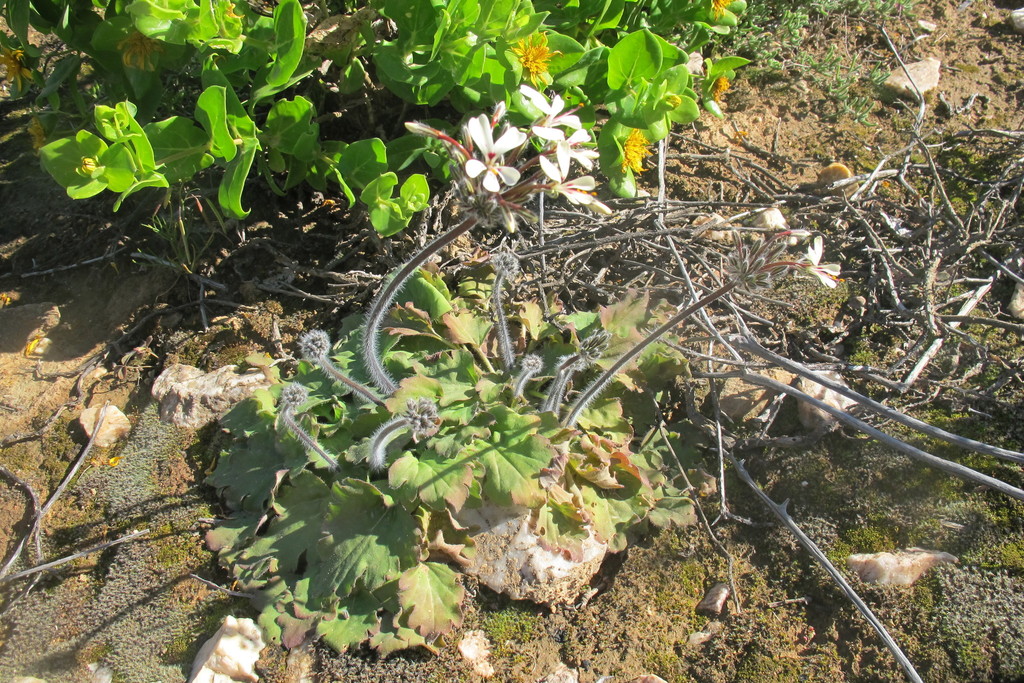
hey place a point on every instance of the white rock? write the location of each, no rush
(1016, 306)
(1017, 19)
(927, 26)
(562, 674)
(476, 650)
(191, 398)
(510, 558)
(811, 417)
(115, 425)
(901, 568)
(772, 219)
(230, 655)
(925, 75)
(99, 673)
(714, 599)
(27, 679)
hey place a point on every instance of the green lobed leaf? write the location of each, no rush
(369, 541)
(431, 599)
(357, 620)
(295, 527)
(513, 458)
(432, 479)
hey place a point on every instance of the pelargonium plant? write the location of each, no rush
(348, 487)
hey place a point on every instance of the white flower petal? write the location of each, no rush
(510, 139)
(550, 169)
(479, 128)
(474, 167)
(509, 175)
(490, 181)
(548, 133)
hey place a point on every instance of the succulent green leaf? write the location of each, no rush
(290, 128)
(211, 112)
(289, 41)
(66, 160)
(431, 599)
(363, 161)
(635, 57)
(369, 541)
(179, 146)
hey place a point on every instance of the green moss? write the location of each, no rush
(1011, 556)
(764, 668)
(510, 625)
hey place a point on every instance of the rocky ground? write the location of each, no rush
(92, 312)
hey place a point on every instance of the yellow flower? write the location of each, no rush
(88, 165)
(113, 462)
(720, 86)
(718, 7)
(534, 55)
(17, 72)
(138, 50)
(35, 129)
(634, 151)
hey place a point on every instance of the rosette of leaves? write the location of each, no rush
(354, 554)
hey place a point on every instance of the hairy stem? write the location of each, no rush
(325, 364)
(501, 323)
(560, 383)
(384, 435)
(386, 296)
(530, 366)
(306, 438)
(599, 384)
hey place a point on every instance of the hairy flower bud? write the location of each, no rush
(293, 396)
(314, 344)
(505, 264)
(423, 418)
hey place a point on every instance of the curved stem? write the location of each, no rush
(325, 364)
(501, 324)
(384, 435)
(598, 385)
(386, 296)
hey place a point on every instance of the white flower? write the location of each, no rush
(580, 192)
(566, 150)
(490, 166)
(552, 110)
(827, 273)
